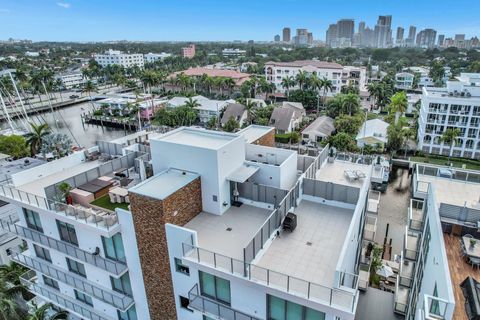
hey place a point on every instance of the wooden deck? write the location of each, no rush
(459, 270)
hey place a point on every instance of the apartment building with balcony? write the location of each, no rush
(115, 57)
(340, 75)
(455, 106)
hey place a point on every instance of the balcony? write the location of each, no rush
(401, 299)
(370, 227)
(113, 267)
(411, 245)
(406, 273)
(335, 297)
(95, 218)
(211, 307)
(435, 308)
(106, 295)
(29, 279)
(416, 215)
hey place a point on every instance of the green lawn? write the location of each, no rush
(458, 163)
(104, 202)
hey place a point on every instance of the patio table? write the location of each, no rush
(472, 251)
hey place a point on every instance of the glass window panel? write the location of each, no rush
(118, 244)
(223, 289)
(207, 284)
(276, 308)
(294, 311)
(311, 314)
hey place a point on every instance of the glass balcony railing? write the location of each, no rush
(211, 307)
(29, 279)
(111, 266)
(109, 296)
(416, 215)
(98, 218)
(331, 296)
(435, 308)
(411, 245)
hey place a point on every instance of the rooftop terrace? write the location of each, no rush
(197, 138)
(312, 250)
(253, 133)
(229, 233)
(335, 172)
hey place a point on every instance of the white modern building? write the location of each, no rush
(71, 79)
(115, 57)
(424, 79)
(207, 108)
(373, 133)
(340, 76)
(455, 106)
(404, 80)
(230, 52)
(152, 57)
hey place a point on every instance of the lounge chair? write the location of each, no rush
(351, 175)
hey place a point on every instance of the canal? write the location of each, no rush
(69, 122)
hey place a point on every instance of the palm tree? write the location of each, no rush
(88, 88)
(301, 79)
(408, 134)
(350, 103)
(265, 87)
(8, 294)
(287, 83)
(250, 107)
(11, 272)
(450, 136)
(398, 104)
(36, 137)
(41, 313)
(149, 79)
(327, 85)
(375, 90)
(229, 84)
(191, 103)
(219, 83)
(316, 84)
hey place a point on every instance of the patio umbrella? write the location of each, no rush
(385, 271)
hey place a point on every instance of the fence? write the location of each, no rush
(110, 148)
(261, 193)
(272, 223)
(331, 191)
(124, 162)
(303, 162)
(457, 174)
(317, 163)
(459, 214)
(335, 297)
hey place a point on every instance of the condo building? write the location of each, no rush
(115, 57)
(189, 51)
(455, 106)
(201, 224)
(340, 75)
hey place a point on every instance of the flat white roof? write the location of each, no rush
(164, 184)
(253, 132)
(335, 172)
(230, 232)
(200, 138)
(312, 250)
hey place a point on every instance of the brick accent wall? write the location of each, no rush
(149, 217)
(267, 140)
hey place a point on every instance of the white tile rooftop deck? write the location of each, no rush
(198, 138)
(335, 172)
(325, 227)
(212, 232)
(454, 192)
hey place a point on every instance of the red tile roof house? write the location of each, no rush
(238, 77)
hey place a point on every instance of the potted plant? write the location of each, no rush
(65, 189)
(331, 155)
(473, 242)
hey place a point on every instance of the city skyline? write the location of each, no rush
(109, 20)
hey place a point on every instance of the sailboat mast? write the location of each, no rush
(4, 107)
(19, 98)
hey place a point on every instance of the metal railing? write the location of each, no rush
(435, 308)
(416, 215)
(98, 218)
(334, 297)
(211, 307)
(111, 266)
(411, 245)
(401, 306)
(119, 301)
(370, 227)
(29, 279)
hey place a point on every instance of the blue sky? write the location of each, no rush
(196, 20)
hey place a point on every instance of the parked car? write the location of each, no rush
(74, 96)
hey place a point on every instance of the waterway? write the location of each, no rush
(69, 122)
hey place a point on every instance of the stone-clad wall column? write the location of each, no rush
(149, 217)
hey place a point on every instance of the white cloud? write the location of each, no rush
(65, 5)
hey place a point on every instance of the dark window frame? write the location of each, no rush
(42, 253)
(184, 303)
(79, 271)
(123, 290)
(104, 243)
(67, 232)
(37, 225)
(202, 292)
(51, 282)
(181, 268)
(85, 298)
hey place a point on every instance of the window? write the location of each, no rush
(279, 309)
(83, 297)
(76, 267)
(33, 220)
(207, 318)
(122, 284)
(113, 248)
(435, 307)
(51, 283)
(180, 267)
(67, 232)
(215, 287)
(42, 253)
(184, 303)
(130, 314)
